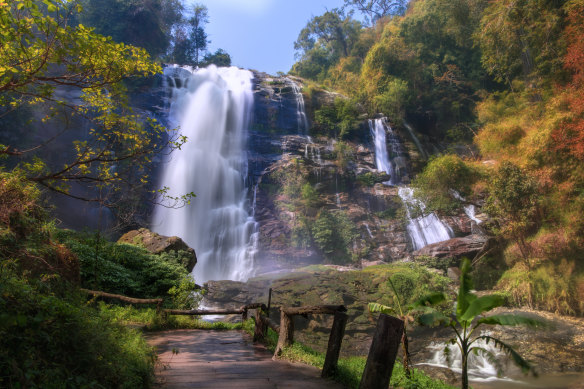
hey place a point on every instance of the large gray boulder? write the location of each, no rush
(157, 244)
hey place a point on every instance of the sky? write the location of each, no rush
(260, 34)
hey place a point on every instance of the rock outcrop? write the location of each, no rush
(467, 246)
(157, 244)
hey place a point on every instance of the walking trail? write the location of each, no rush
(226, 359)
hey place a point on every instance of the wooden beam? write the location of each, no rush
(203, 312)
(130, 300)
(273, 325)
(314, 310)
(382, 353)
(334, 345)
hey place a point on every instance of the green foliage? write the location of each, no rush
(513, 199)
(52, 341)
(146, 24)
(443, 178)
(333, 232)
(344, 155)
(468, 317)
(218, 58)
(338, 120)
(128, 270)
(44, 54)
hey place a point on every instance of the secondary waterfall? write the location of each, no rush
(212, 108)
(423, 230)
(480, 368)
(300, 107)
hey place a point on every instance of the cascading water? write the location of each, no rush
(480, 368)
(300, 108)
(423, 230)
(212, 108)
(382, 162)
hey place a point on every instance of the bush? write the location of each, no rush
(125, 269)
(47, 341)
(442, 176)
(333, 233)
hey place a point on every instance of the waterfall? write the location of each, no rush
(480, 368)
(212, 108)
(423, 152)
(300, 107)
(382, 162)
(423, 230)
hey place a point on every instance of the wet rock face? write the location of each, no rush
(157, 244)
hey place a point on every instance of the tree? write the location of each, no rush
(73, 79)
(328, 37)
(145, 23)
(377, 9)
(218, 58)
(521, 38)
(191, 39)
(513, 199)
(468, 317)
(444, 182)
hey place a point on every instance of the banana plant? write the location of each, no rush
(405, 314)
(468, 317)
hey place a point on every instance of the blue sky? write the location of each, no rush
(260, 34)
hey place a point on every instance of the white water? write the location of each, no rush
(300, 107)
(212, 107)
(382, 162)
(423, 230)
(469, 210)
(479, 367)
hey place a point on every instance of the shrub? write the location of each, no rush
(48, 341)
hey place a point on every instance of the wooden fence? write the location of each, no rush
(382, 352)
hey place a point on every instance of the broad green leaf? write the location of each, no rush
(375, 307)
(433, 319)
(480, 305)
(465, 297)
(429, 300)
(513, 320)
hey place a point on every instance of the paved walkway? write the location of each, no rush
(226, 359)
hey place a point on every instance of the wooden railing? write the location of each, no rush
(382, 353)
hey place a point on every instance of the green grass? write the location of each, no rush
(349, 370)
(150, 320)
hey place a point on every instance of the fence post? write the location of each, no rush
(269, 301)
(382, 353)
(261, 326)
(286, 336)
(334, 344)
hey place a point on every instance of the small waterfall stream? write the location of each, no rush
(300, 107)
(480, 368)
(212, 107)
(423, 230)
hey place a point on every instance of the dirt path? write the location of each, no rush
(226, 359)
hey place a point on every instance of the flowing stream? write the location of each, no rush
(423, 230)
(212, 108)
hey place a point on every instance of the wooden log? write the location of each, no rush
(334, 344)
(261, 326)
(203, 312)
(382, 353)
(126, 299)
(286, 336)
(315, 310)
(273, 325)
